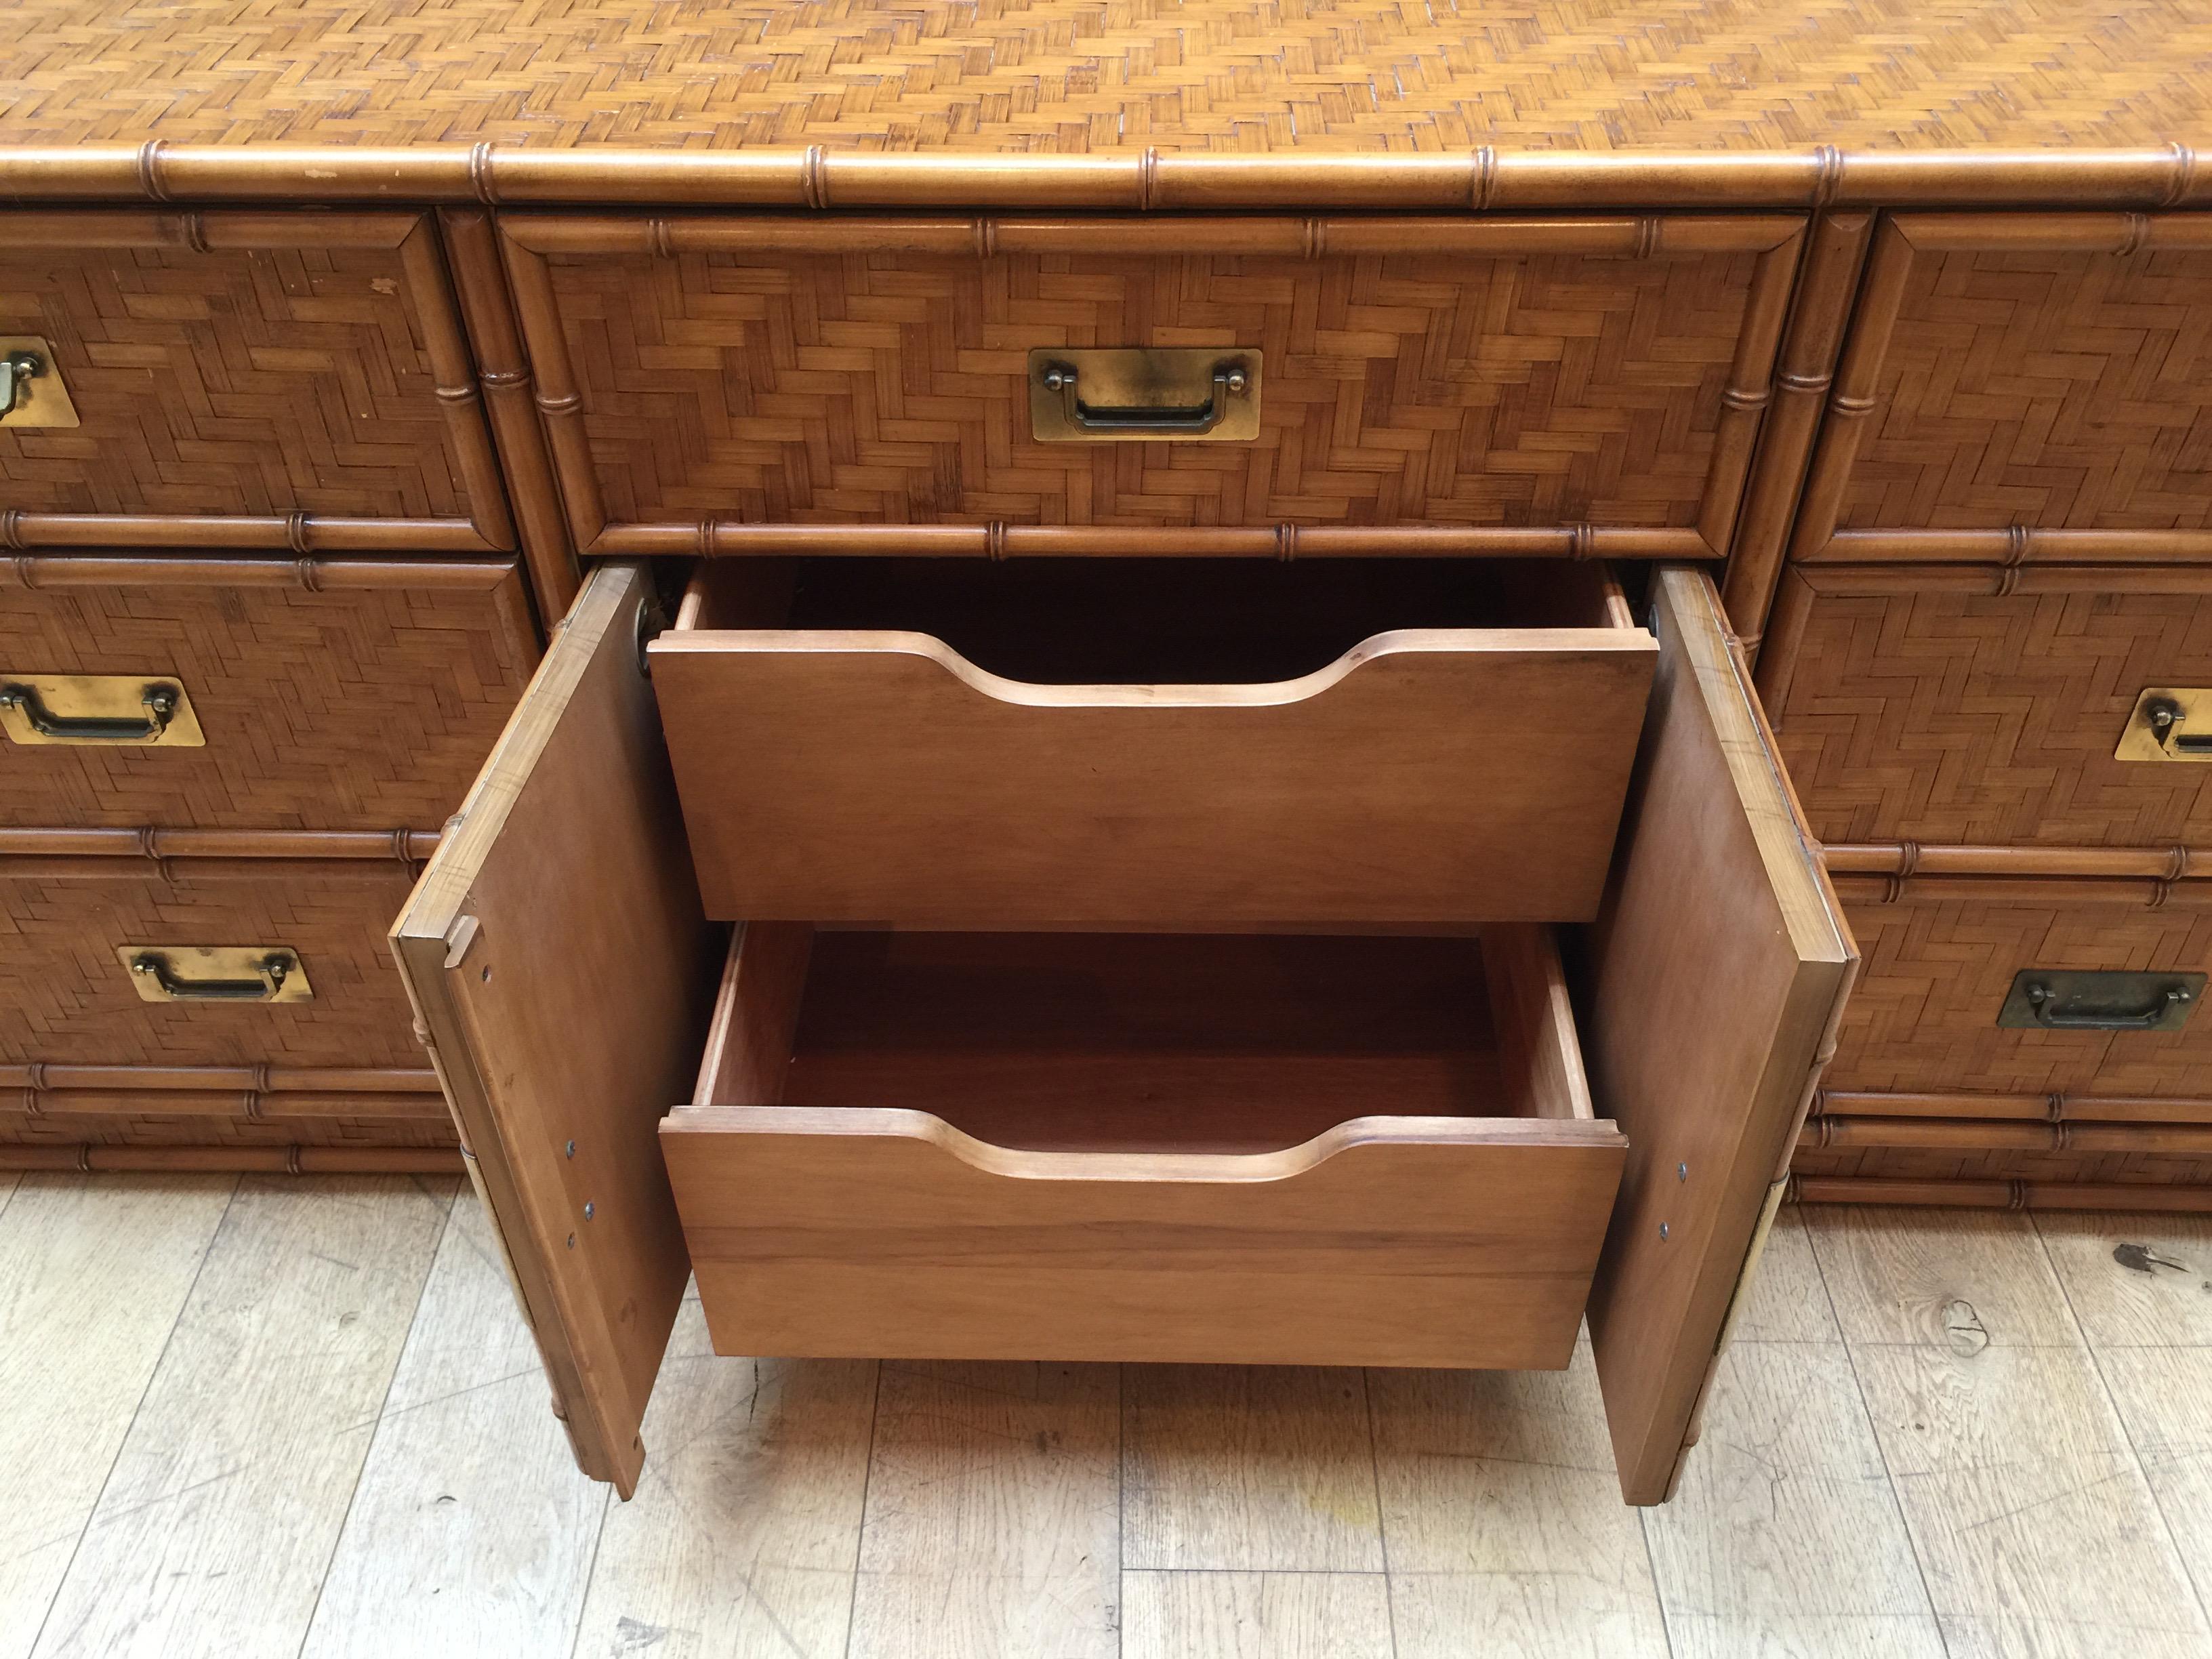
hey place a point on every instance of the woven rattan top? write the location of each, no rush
(1094, 74)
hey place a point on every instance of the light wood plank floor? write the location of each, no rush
(258, 1416)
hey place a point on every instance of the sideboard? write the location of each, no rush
(1149, 525)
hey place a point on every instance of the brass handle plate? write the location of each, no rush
(31, 389)
(1145, 394)
(215, 973)
(2169, 723)
(2054, 999)
(142, 711)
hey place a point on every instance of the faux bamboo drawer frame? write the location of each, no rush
(558, 955)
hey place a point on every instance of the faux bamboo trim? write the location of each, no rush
(2152, 893)
(2126, 1110)
(729, 538)
(1483, 179)
(1803, 374)
(314, 573)
(503, 373)
(2009, 548)
(1641, 236)
(246, 1106)
(296, 532)
(1906, 857)
(265, 1080)
(94, 1158)
(2001, 1135)
(410, 847)
(2002, 1194)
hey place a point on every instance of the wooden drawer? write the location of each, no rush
(1508, 377)
(72, 901)
(1316, 1146)
(2022, 374)
(233, 366)
(1942, 953)
(1149, 743)
(1115, 1146)
(1918, 704)
(320, 694)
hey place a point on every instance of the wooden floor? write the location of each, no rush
(274, 1416)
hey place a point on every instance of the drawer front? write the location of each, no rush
(1389, 1241)
(67, 999)
(334, 693)
(1921, 714)
(1467, 373)
(1429, 777)
(2042, 371)
(1941, 960)
(243, 365)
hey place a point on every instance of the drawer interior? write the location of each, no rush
(1153, 1043)
(1339, 1150)
(1151, 621)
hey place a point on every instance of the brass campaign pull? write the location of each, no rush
(98, 708)
(2051, 1000)
(31, 389)
(217, 973)
(2168, 723)
(17, 370)
(1121, 394)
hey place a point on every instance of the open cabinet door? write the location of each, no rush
(556, 953)
(1716, 973)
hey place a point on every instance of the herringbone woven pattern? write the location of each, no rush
(65, 999)
(2062, 390)
(1088, 74)
(1936, 972)
(230, 382)
(1536, 391)
(357, 709)
(1949, 717)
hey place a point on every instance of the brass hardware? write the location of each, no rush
(2047, 1000)
(31, 389)
(2169, 723)
(140, 710)
(215, 973)
(1143, 394)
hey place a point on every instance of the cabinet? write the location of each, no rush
(1258, 1137)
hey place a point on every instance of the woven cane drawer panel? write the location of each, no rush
(2056, 387)
(236, 364)
(366, 699)
(1950, 717)
(1938, 966)
(1543, 389)
(65, 999)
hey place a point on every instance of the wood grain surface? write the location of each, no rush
(573, 1025)
(1425, 776)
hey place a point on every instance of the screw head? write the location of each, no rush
(590, 1210)
(570, 1149)
(1681, 1172)
(1662, 1230)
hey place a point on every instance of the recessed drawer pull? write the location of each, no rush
(1093, 396)
(2099, 1002)
(31, 389)
(216, 974)
(126, 709)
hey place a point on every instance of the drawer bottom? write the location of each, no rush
(1313, 1150)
